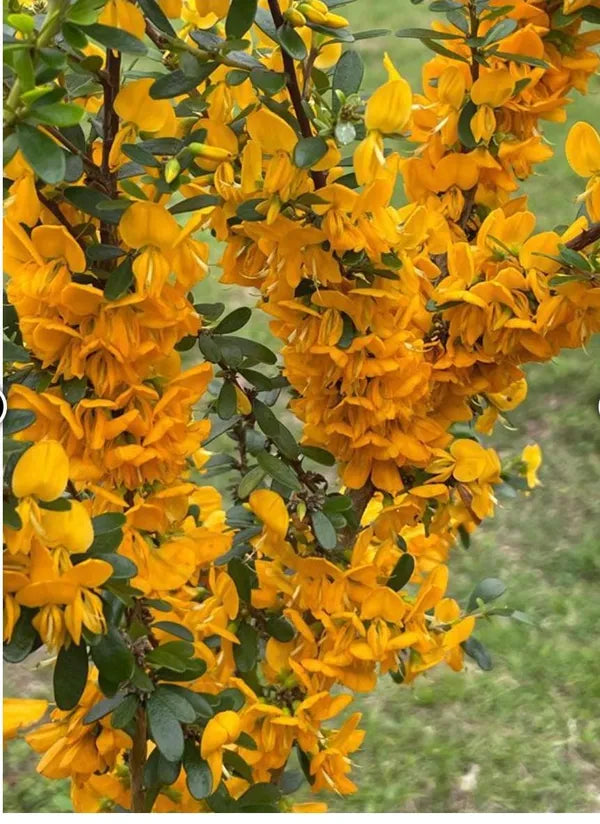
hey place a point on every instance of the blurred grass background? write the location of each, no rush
(526, 736)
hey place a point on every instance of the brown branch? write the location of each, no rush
(137, 762)
(589, 235)
(53, 207)
(293, 88)
(93, 170)
(360, 499)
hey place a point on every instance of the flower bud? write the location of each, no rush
(172, 169)
(294, 17)
(209, 152)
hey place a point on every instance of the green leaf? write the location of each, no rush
(259, 794)
(21, 22)
(116, 39)
(60, 114)
(174, 629)
(112, 657)
(291, 42)
(280, 628)
(124, 713)
(318, 455)
(88, 200)
(74, 389)
(427, 34)
(23, 639)
(118, 282)
(267, 81)
(249, 482)
(108, 522)
(240, 17)
(248, 211)
(13, 353)
(475, 650)
(156, 15)
(278, 470)
(245, 653)
(209, 311)
(308, 151)
(103, 708)
(290, 781)
(201, 706)
(169, 656)
(465, 135)
(276, 431)
(324, 530)
(12, 519)
(487, 590)
(347, 76)
(58, 505)
(500, 30)
(198, 774)
(439, 49)
(164, 727)
(226, 401)
(402, 572)
(16, 420)
(249, 348)
(233, 321)
(85, 12)
(243, 577)
(178, 82)
(177, 704)
(193, 204)
(44, 156)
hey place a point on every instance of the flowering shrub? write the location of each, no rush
(202, 635)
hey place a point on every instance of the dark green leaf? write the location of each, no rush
(233, 321)
(250, 481)
(13, 353)
(240, 17)
(347, 76)
(193, 204)
(245, 653)
(74, 390)
(178, 82)
(402, 572)
(427, 34)
(318, 455)
(487, 590)
(465, 135)
(16, 420)
(177, 704)
(500, 30)
(280, 628)
(291, 42)
(88, 200)
(44, 156)
(24, 638)
(112, 657)
(164, 727)
(174, 629)
(103, 708)
(243, 577)
(116, 39)
(198, 774)
(478, 653)
(226, 402)
(103, 251)
(124, 713)
(308, 151)
(323, 530)
(278, 470)
(108, 522)
(267, 81)
(155, 14)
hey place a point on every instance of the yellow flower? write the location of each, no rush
(583, 149)
(532, 457)
(20, 712)
(224, 728)
(270, 508)
(389, 107)
(42, 472)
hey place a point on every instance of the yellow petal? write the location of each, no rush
(493, 88)
(20, 712)
(71, 528)
(270, 131)
(270, 508)
(133, 104)
(42, 471)
(148, 224)
(583, 149)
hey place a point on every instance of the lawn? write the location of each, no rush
(526, 736)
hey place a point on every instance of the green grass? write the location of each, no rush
(526, 736)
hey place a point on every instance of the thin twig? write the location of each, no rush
(293, 88)
(589, 235)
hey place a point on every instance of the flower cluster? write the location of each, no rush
(230, 627)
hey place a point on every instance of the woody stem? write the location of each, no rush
(589, 235)
(137, 762)
(294, 92)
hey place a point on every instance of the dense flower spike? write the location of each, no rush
(230, 627)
